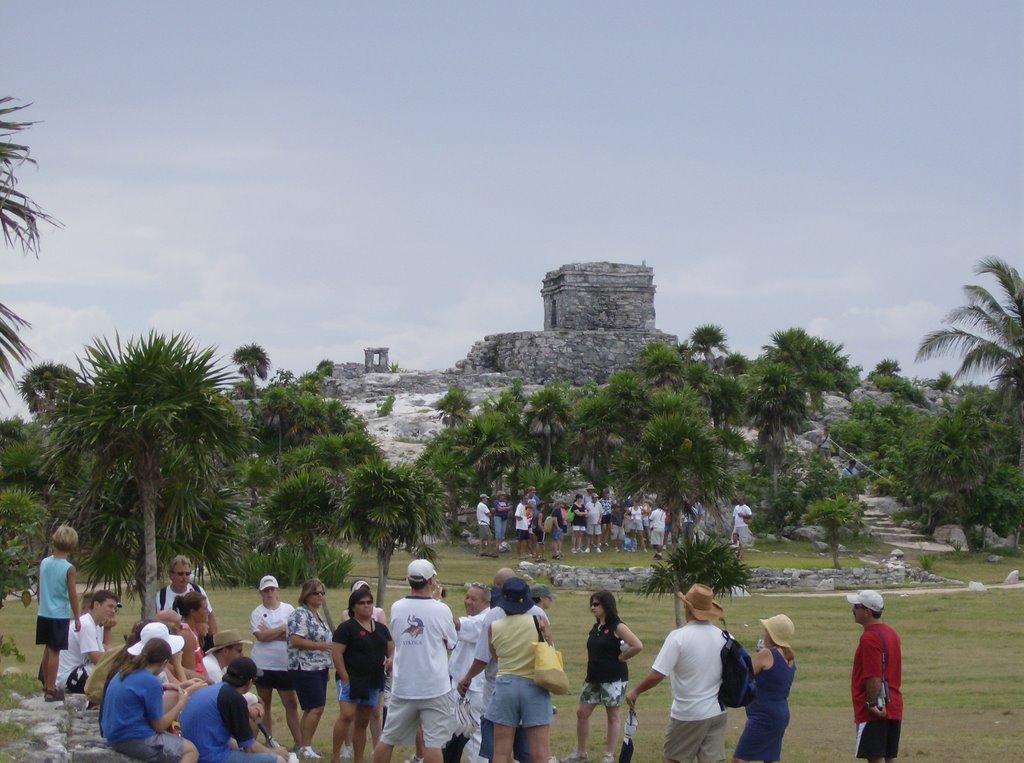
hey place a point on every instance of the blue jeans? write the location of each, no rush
(237, 756)
(499, 528)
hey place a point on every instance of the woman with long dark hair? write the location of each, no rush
(610, 645)
(136, 714)
(362, 653)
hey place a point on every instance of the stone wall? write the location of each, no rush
(599, 295)
(576, 357)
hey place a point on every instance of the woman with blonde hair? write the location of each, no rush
(309, 660)
(768, 714)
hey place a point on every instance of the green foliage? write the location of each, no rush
(547, 414)
(943, 382)
(832, 515)
(21, 522)
(303, 509)
(149, 420)
(384, 408)
(887, 367)
(660, 366)
(252, 361)
(454, 407)
(777, 407)
(706, 561)
(43, 384)
(288, 564)
(927, 562)
(547, 480)
(998, 502)
(818, 364)
(325, 368)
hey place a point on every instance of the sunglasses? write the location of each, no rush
(318, 593)
(595, 604)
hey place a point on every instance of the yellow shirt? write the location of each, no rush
(513, 638)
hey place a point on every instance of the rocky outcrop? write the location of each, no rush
(58, 732)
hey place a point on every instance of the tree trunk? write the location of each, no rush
(679, 610)
(383, 566)
(833, 539)
(147, 477)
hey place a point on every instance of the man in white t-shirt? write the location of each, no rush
(483, 526)
(741, 516)
(657, 530)
(180, 572)
(471, 629)
(691, 658)
(86, 646)
(593, 506)
(424, 631)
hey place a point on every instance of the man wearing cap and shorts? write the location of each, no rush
(423, 629)
(691, 657)
(483, 526)
(877, 706)
(219, 713)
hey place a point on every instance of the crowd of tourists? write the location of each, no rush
(592, 523)
(458, 687)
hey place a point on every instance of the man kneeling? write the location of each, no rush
(218, 715)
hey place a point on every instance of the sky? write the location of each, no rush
(320, 177)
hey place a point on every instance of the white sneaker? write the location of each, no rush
(597, 549)
(309, 753)
(576, 757)
(586, 550)
(414, 759)
(607, 758)
(346, 752)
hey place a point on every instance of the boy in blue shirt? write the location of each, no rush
(58, 603)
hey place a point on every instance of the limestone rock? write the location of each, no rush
(826, 585)
(820, 547)
(896, 553)
(1013, 578)
(951, 534)
(974, 585)
(810, 532)
(993, 558)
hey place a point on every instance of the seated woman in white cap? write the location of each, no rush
(133, 718)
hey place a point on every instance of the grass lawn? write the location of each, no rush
(962, 674)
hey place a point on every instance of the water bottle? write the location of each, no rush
(760, 645)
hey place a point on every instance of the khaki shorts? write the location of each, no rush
(437, 716)
(704, 739)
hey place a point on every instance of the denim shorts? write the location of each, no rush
(517, 700)
(344, 697)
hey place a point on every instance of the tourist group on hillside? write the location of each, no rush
(457, 687)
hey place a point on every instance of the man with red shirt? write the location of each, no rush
(877, 706)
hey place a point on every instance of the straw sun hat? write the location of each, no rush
(780, 628)
(701, 601)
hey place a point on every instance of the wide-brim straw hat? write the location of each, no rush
(701, 601)
(780, 628)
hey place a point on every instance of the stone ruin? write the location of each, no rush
(598, 316)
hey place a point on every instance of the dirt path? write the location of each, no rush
(901, 591)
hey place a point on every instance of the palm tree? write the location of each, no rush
(707, 338)
(777, 407)
(303, 509)
(818, 363)
(989, 334)
(833, 515)
(548, 413)
(151, 408)
(454, 407)
(386, 508)
(660, 366)
(252, 361)
(19, 220)
(41, 384)
(703, 560)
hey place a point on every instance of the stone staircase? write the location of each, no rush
(879, 525)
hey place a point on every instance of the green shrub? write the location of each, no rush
(927, 562)
(288, 565)
(384, 409)
(883, 486)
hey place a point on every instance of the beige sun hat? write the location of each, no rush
(701, 601)
(780, 628)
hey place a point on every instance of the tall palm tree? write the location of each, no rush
(386, 508)
(252, 361)
(548, 413)
(19, 219)
(777, 407)
(707, 338)
(150, 408)
(454, 407)
(40, 385)
(989, 334)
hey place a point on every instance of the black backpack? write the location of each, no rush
(739, 688)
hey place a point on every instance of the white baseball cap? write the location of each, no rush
(156, 630)
(868, 598)
(420, 569)
(268, 581)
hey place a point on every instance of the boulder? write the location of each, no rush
(896, 553)
(810, 532)
(1013, 578)
(952, 535)
(974, 585)
(820, 547)
(829, 584)
(993, 558)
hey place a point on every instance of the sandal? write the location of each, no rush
(54, 695)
